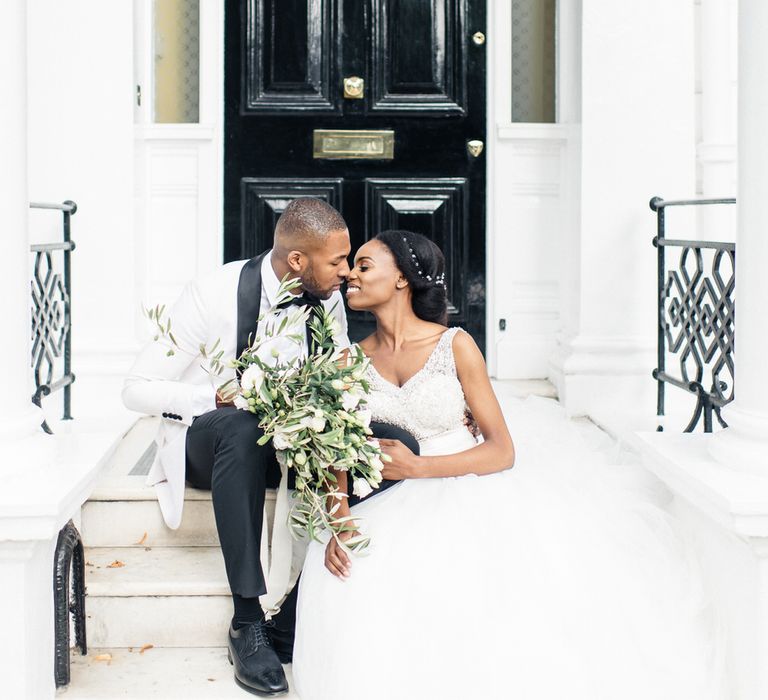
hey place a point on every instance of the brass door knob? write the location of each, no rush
(354, 88)
(478, 38)
(475, 147)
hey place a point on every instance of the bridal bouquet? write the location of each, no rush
(314, 411)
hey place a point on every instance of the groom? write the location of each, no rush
(212, 445)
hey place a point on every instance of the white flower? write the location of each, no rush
(350, 399)
(334, 325)
(361, 488)
(280, 441)
(376, 463)
(252, 378)
(338, 385)
(314, 422)
(364, 415)
(241, 402)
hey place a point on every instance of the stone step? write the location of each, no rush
(164, 596)
(122, 509)
(166, 674)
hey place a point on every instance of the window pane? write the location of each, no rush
(177, 61)
(533, 60)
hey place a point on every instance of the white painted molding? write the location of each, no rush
(716, 152)
(527, 189)
(736, 500)
(37, 501)
(609, 355)
(511, 131)
(175, 132)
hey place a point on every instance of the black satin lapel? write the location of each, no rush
(248, 300)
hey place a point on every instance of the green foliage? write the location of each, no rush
(315, 413)
(313, 409)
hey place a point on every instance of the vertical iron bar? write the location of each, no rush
(68, 313)
(660, 349)
(707, 413)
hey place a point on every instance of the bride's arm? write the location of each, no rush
(495, 454)
(336, 559)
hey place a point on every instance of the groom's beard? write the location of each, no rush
(310, 284)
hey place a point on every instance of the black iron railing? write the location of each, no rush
(696, 317)
(52, 313)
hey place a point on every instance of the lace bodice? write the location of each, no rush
(430, 402)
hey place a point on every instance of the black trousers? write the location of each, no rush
(223, 456)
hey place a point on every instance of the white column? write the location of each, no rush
(717, 150)
(18, 416)
(627, 155)
(745, 443)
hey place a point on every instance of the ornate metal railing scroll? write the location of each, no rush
(68, 599)
(52, 313)
(696, 281)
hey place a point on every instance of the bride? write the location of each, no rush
(561, 578)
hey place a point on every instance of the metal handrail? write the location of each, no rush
(52, 312)
(704, 311)
(67, 206)
(659, 203)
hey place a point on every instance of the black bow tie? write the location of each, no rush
(305, 299)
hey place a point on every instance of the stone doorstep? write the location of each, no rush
(162, 571)
(165, 596)
(165, 674)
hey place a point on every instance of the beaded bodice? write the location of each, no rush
(430, 402)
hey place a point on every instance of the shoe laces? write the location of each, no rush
(256, 636)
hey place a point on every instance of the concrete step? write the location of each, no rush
(165, 596)
(167, 674)
(122, 509)
(140, 523)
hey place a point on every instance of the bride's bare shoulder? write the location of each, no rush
(465, 351)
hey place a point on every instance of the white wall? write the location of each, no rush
(81, 148)
(637, 140)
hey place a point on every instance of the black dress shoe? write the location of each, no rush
(257, 667)
(282, 643)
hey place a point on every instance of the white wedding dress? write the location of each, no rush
(562, 578)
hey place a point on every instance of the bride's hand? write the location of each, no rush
(336, 559)
(403, 463)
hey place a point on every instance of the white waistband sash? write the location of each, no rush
(447, 443)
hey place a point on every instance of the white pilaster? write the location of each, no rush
(637, 140)
(717, 149)
(26, 635)
(18, 416)
(745, 443)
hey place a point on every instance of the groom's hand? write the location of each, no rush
(403, 463)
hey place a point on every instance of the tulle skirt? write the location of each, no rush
(563, 577)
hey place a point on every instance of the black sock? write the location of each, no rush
(247, 611)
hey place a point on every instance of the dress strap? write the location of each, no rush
(442, 359)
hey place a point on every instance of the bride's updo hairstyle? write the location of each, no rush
(423, 265)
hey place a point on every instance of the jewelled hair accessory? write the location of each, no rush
(439, 281)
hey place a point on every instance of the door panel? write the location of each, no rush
(436, 208)
(424, 79)
(422, 70)
(290, 57)
(264, 199)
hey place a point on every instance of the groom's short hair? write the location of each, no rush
(307, 219)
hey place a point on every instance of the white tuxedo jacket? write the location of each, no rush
(177, 386)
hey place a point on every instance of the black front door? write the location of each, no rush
(378, 107)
